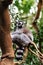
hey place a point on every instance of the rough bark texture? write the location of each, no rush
(5, 39)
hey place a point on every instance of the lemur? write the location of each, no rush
(22, 37)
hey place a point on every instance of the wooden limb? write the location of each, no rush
(34, 52)
(25, 53)
(37, 54)
(6, 41)
(39, 9)
(36, 48)
(37, 16)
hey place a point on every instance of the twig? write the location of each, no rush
(36, 48)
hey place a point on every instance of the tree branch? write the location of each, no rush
(36, 48)
(37, 16)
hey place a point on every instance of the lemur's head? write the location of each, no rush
(20, 23)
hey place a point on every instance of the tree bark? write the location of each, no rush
(5, 39)
(37, 16)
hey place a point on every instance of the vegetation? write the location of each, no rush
(26, 10)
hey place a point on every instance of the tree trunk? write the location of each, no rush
(5, 39)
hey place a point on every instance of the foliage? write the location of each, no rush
(25, 6)
(32, 60)
(41, 27)
(20, 10)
